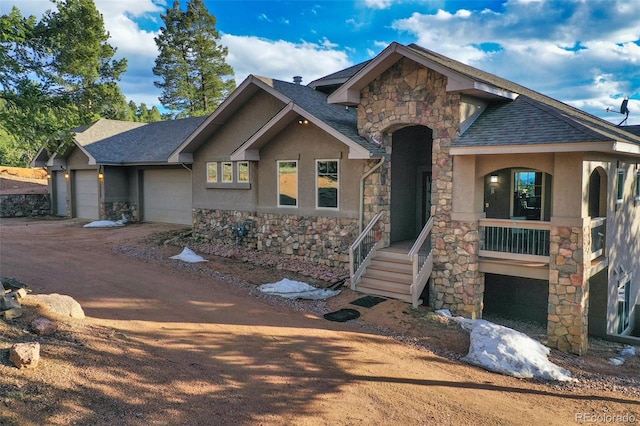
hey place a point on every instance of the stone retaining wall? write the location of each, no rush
(322, 240)
(25, 205)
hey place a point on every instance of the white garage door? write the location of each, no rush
(85, 194)
(166, 196)
(60, 188)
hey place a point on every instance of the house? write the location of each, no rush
(117, 168)
(436, 183)
(432, 181)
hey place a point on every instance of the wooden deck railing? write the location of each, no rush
(362, 250)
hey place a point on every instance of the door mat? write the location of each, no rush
(368, 301)
(342, 315)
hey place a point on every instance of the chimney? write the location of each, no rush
(297, 79)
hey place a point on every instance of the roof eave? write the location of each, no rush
(535, 148)
(349, 93)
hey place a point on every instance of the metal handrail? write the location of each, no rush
(422, 263)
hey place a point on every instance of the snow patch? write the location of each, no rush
(297, 290)
(106, 223)
(507, 351)
(189, 256)
(624, 353)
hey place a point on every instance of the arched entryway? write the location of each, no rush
(411, 149)
(598, 193)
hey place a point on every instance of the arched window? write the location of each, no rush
(598, 193)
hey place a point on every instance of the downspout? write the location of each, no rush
(366, 175)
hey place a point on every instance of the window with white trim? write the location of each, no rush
(212, 172)
(620, 187)
(243, 171)
(637, 194)
(288, 183)
(227, 172)
(623, 300)
(327, 184)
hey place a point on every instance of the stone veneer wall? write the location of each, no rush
(25, 205)
(567, 324)
(322, 240)
(408, 94)
(115, 210)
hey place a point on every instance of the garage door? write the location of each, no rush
(60, 193)
(85, 194)
(166, 196)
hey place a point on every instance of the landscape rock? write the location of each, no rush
(25, 355)
(43, 326)
(59, 304)
(12, 313)
(7, 303)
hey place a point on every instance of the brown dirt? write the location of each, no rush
(166, 342)
(16, 180)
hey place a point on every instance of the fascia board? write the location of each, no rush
(627, 148)
(249, 150)
(239, 96)
(534, 149)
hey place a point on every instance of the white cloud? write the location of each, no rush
(378, 4)
(282, 59)
(559, 48)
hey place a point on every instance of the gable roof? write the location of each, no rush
(536, 119)
(298, 100)
(123, 142)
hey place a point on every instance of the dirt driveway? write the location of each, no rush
(166, 344)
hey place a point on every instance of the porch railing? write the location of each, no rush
(515, 239)
(362, 251)
(421, 255)
(598, 237)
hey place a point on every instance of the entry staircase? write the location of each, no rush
(395, 272)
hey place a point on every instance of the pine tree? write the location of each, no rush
(195, 78)
(56, 74)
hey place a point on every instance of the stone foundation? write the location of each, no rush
(322, 240)
(567, 325)
(115, 210)
(25, 205)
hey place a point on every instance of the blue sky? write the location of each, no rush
(585, 52)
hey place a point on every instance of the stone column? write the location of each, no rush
(567, 324)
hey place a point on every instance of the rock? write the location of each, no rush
(43, 326)
(59, 304)
(12, 313)
(25, 355)
(7, 303)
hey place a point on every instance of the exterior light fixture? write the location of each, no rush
(493, 179)
(100, 176)
(303, 120)
(48, 175)
(66, 175)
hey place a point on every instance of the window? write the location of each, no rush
(212, 172)
(287, 183)
(227, 172)
(620, 187)
(243, 171)
(637, 196)
(624, 293)
(527, 194)
(327, 184)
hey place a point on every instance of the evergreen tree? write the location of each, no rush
(195, 78)
(56, 74)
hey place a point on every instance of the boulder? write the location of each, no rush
(25, 355)
(12, 313)
(43, 326)
(59, 304)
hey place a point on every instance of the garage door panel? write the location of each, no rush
(86, 194)
(167, 196)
